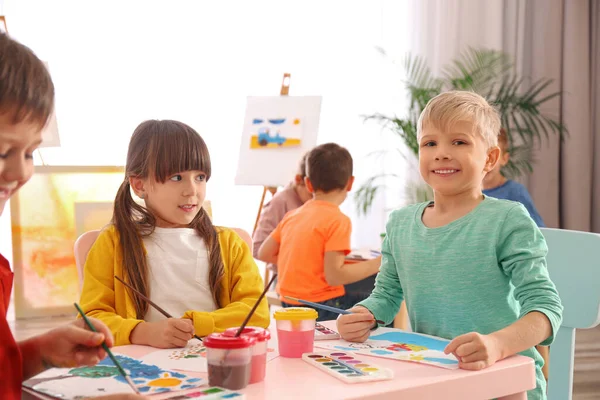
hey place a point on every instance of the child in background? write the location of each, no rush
(290, 198)
(496, 185)
(169, 250)
(471, 268)
(310, 244)
(26, 102)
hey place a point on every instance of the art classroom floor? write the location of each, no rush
(587, 353)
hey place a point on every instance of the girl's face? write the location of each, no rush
(17, 143)
(177, 201)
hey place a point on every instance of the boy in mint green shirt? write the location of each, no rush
(470, 267)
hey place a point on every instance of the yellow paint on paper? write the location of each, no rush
(288, 143)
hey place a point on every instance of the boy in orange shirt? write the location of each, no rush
(310, 244)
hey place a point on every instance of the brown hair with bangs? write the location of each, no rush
(26, 89)
(158, 150)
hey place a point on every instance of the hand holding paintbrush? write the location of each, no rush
(110, 354)
(151, 303)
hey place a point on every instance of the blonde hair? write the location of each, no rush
(448, 108)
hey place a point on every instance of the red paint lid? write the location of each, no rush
(220, 341)
(261, 334)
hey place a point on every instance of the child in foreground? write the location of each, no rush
(471, 268)
(26, 102)
(168, 249)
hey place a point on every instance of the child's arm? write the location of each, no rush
(339, 273)
(383, 304)
(70, 345)
(244, 287)
(522, 255)
(98, 293)
(337, 246)
(272, 213)
(476, 351)
(268, 251)
(527, 201)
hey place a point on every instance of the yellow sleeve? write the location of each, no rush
(244, 285)
(98, 296)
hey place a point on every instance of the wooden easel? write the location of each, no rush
(272, 296)
(285, 89)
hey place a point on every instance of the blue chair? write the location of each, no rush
(574, 266)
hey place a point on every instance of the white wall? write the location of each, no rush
(116, 63)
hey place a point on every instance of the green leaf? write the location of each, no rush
(490, 73)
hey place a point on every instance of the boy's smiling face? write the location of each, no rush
(17, 143)
(454, 160)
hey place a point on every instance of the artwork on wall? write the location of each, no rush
(104, 379)
(92, 215)
(277, 131)
(47, 215)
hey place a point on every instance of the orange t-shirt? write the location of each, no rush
(304, 235)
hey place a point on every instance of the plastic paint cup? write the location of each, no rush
(295, 331)
(229, 360)
(259, 350)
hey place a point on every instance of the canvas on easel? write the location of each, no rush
(277, 131)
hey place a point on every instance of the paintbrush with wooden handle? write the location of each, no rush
(160, 310)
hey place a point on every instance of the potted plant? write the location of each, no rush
(487, 72)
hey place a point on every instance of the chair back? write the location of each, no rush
(244, 235)
(83, 244)
(573, 264)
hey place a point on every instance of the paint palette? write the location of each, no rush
(346, 367)
(324, 333)
(211, 393)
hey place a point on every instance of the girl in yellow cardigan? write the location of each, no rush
(169, 249)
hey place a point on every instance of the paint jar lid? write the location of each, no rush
(295, 314)
(221, 341)
(261, 334)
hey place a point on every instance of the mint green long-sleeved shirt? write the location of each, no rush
(479, 273)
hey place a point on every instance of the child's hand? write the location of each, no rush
(356, 327)
(475, 351)
(74, 345)
(165, 334)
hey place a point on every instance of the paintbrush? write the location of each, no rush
(239, 332)
(241, 329)
(160, 310)
(326, 308)
(105, 347)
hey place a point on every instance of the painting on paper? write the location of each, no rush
(189, 358)
(275, 132)
(276, 122)
(104, 379)
(399, 345)
(47, 215)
